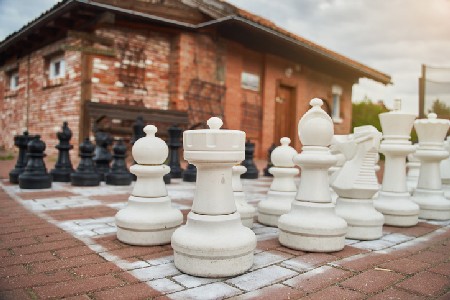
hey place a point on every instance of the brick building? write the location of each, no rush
(169, 56)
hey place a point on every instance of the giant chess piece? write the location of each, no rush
(342, 149)
(148, 218)
(312, 223)
(138, 132)
(174, 144)
(269, 161)
(412, 176)
(102, 157)
(445, 170)
(252, 171)
(21, 142)
(85, 174)
(283, 188)
(245, 210)
(63, 167)
(35, 175)
(119, 174)
(394, 200)
(213, 243)
(190, 174)
(356, 184)
(429, 194)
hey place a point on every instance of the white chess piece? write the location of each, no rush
(343, 148)
(283, 188)
(312, 224)
(213, 243)
(245, 210)
(394, 200)
(445, 170)
(148, 218)
(429, 194)
(412, 176)
(357, 183)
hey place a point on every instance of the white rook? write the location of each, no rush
(429, 194)
(213, 243)
(148, 218)
(312, 223)
(394, 200)
(245, 210)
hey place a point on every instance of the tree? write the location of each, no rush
(440, 109)
(366, 113)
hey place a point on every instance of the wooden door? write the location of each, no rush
(285, 122)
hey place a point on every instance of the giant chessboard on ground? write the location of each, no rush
(77, 255)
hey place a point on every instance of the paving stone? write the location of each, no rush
(372, 281)
(44, 194)
(135, 291)
(266, 258)
(14, 295)
(165, 285)
(425, 283)
(395, 294)
(217, 290)
(374, 245)
(405, 265)
(256, 279)
(443, 269)
(276, 291)
(318, 278)
(430, 257)
(308, 261)
(336, 292)
(155, 272)
(192, 281)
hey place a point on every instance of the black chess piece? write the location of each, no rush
(119, 174)
(174, 144)
(269, 160)
(63, 167)
(252, 171)
(103, 156)
(21, 142)
(138, 132)
(86, 174)
(190, 174)
(35, 175)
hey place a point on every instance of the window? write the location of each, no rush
(250, 81)
(13, 79)
(57, 67)
(336, 92)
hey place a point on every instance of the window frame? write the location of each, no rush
(336, 98)
(53, 61)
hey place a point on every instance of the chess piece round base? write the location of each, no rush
(118, 179)
(363, 220)
(190, 174)
(312, 227)
(167, 178)
(61, 175)
(245, 210)
(35, 181)
(252, 173)
(14, 175)
(147, 222)
(227, 252)
(176, 173)
(397, 208)
(85, 179)
(277, 204)
(433, 204)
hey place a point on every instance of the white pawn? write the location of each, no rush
(394, 200)
(245, 210)
(429, 194)
(213, 243)
(148, 218)
(312, 223)
(412, 176)
(445, 170)
(357, 183)
(283, 188)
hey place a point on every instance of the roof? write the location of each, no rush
(222, 14)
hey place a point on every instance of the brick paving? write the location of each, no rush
(61, 243)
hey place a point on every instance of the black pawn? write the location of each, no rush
(119, 174)
(252, 171)
(269, 160)
(138, 132)
(174, 144)
(86, 174)
(21, 142)
(190, 174)
(102, 155)
(35, 175)
(63, 167)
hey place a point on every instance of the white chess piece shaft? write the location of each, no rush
(245, 210)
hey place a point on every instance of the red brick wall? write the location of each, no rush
(49, 102)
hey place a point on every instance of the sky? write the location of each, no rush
(392, 36)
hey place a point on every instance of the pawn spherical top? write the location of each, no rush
(316, 128)
(282, 155)
(150, 150)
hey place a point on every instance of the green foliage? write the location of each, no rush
(366, 113)
(440, 109)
